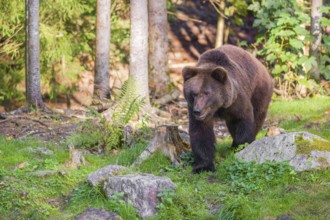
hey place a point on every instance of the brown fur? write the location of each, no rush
(230, 84)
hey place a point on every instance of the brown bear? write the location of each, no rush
(230, 84)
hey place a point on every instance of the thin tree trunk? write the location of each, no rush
(316, 32)
(158, 47)
(101, 79)
(139, 47)
(219, 41)
(32, 50)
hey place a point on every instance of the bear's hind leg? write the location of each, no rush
(242, 131)
(260, 101)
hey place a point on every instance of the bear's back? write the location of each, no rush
(233, 58)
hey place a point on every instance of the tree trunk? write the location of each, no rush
(101, 79)
(32, 52)
(316, 32)
(158, 47)
(219, 41)
(139, 48)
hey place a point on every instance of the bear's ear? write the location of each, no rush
(219, 74)
(189, 72)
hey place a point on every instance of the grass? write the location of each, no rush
(235, 191)
(311, 114)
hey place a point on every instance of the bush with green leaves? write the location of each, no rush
(235, 10)
(284, 38)
(325, 47)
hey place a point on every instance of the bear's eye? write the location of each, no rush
(206, 93)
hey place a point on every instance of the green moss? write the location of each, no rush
(323, 161)
(306, 146)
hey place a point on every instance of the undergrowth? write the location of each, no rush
(245, 178)
(115, 133)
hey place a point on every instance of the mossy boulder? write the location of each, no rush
(303, 150)
(141, 190)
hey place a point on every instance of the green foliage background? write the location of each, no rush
(67, 38)
(284, 38)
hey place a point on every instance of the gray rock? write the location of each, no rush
(139, 189)
(283, 148)
(44, 150)
(102, 174)
(41, 150)
(43, 173)
(97, 214)
(284, 217)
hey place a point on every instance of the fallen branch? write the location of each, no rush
(183, 17)
(168, 98)
(4, 121)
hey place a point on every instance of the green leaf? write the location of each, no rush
(285, 15)
(300, 31)
(302, 60)
(285, 33)
(325, 21)
(309, 63)
(326, 40)
(325, 72)
(298, 44)
(282, 21)
(304, 18)
(255, 6)
(271, 57)
(324, 9)
(243, 43)
(277, 69)
(287, 20)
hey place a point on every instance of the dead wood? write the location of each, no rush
(77, 158)
(168, 141)
(4, 121)
(168, 98)
(100, 104)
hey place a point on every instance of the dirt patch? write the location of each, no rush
(58, 126)
(44, 126)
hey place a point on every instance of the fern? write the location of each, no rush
(127, 106)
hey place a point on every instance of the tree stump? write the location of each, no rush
(168, 141)
(76, 157)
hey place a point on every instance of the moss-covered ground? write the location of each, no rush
(235, 191)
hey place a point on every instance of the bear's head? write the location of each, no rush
(207, 89)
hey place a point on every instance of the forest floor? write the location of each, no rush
(62, 123)
(236, 191)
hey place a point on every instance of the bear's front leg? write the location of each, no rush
(202, 141)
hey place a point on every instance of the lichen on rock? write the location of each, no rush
(303, 150)
(305, 146)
